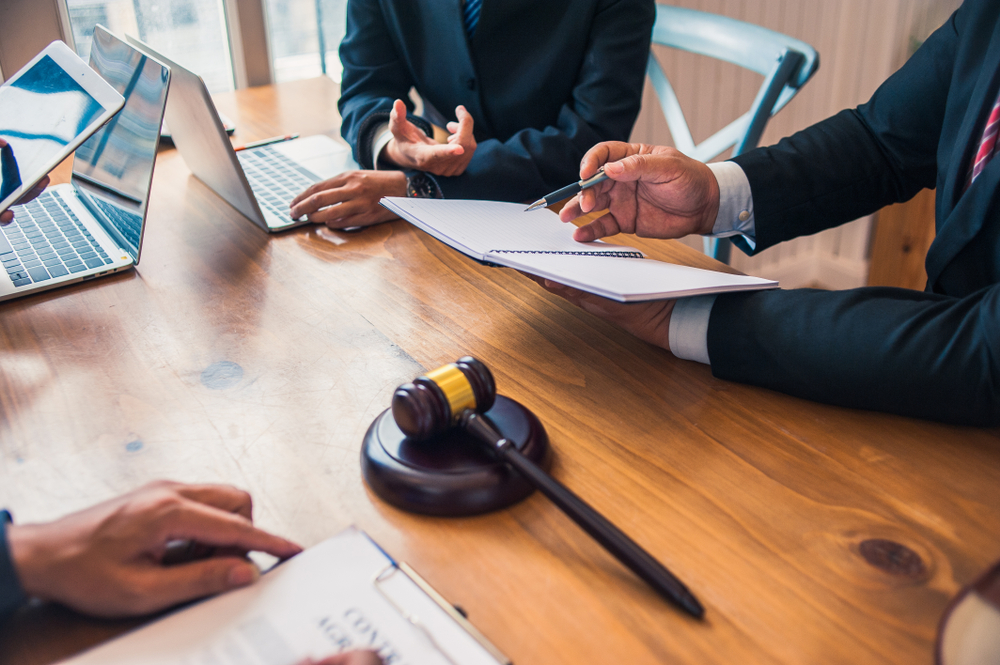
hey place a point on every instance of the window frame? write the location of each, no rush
(246, 22)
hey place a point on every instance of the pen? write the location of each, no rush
(257, 144)
(568, 191)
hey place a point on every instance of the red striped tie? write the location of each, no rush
(987, 145)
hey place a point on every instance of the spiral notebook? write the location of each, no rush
(538, 243)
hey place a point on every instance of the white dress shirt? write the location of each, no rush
(688, 334)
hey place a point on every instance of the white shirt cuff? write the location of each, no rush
(735, 203)
(382, 137)
(688, 333)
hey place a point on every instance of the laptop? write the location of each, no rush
(93, 226)
(259, 182)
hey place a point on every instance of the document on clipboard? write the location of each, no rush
(345, 593)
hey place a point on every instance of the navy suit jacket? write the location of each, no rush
(932, 354)
(544, 81)
(11, 595)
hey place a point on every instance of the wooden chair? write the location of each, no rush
(786, 64)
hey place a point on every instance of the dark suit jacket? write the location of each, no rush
(11, 595)
(932, 354)
(544, 81)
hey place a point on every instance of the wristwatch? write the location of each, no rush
(419, 185)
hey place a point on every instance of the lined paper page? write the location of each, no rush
(481, 227)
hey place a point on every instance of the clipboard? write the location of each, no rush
(345, 593)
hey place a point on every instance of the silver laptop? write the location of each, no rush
(258, 182)
(93, 225)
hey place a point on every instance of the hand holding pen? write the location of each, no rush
(568, 191)
(653, 191)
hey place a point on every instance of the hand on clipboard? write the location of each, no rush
(344, 595)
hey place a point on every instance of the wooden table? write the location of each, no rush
(812, 534)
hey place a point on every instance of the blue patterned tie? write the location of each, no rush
(470, 15)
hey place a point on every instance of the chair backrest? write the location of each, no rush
(786, 64)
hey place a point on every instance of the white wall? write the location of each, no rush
(860, 42)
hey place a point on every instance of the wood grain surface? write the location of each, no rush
(903, 234)
(812, 534)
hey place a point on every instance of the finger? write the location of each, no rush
(465, 124)
(601, 227)
(571, 210)
(165, 586)
(318, 202)
(6, 217)
(602, 153)
(336, 181)
(657, 168)
(343, 215)
(188, 520)
(402, 129)
(36, 190)
(223, 497)
(351, 658)
(427, 155)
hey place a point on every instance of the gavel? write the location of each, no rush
(457, 395)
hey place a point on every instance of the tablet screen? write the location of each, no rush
(41, 112)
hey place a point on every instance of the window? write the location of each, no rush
(192, 32)
(305, 36)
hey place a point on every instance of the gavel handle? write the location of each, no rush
(600, 529)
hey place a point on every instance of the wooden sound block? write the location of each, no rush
(453, 474)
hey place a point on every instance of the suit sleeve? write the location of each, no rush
(912, 353)
(604, 104)
(860, 160)
(374, 77)
(11, 595)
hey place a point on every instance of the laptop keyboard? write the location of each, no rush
(274, 179)
(47, 240)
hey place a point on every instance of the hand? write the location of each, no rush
(651, 191)
(348, 658)
(7, 216)
(108, 560)
(410, 148)
(350, 199)
(649, 321)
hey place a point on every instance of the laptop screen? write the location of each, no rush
(120, 156)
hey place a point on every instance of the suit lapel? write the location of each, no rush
(971, 130)
(957, 210)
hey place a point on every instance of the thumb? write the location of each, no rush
(634, 167)
(169, 585)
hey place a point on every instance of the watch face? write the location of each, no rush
(419, 186)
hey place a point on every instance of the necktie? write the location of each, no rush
(470, 15)
(987, 144)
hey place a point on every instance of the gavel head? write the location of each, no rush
(433, 402)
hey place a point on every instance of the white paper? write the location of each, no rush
(538, 243)
(321, 602)
(632, 280)
(480, 228)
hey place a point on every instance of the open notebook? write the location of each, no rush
(538, 243)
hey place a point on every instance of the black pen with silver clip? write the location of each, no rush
(568, 191)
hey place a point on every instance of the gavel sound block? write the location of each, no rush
(459, 396)
(450, 474)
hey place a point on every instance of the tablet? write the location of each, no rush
(47, 109)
